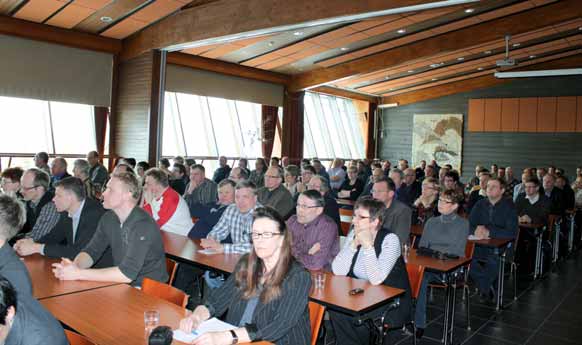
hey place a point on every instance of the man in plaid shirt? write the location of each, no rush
(232, 232)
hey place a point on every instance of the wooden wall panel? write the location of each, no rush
(579, 114)
(492, 115)
(476, 115)
(509, 114)
(528, 110)
(547, 114)
(566, 114)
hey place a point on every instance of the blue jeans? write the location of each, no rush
(420, 309)
(484, 269)
(213, 282)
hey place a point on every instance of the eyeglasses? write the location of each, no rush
(306, 206)
(446, 201)
(265, 235)
(5, 181)
(379, 191)
(272, 176)
(358, 216)
(27, 188)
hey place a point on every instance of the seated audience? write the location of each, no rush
(237, 174)
(284, 162)
(568, 196)
(124, 168)
(554, 194)
(132, 234)
(364, 170)
(266, 296)
(386, 166)
(331, 208)
(492, 217)
(377, 173)
(314, 235)
(410, 189)
(397, 216)
(430, 171)
(243, 165)
(446, 233)
(494, 171)
(178, 179)
(511, 182)
(97, 172)
(372, 253)
(419, 171)
(425, 207)
(275, 162)
(164, 204)
(76, 226)
(352, 186)
(520, 187)
(209, 214)
(200, 190)
(58, 169)
(23, 320)
(337, 174)
(41, 214)
(307, 172)
(164, 164)
(41, 162)
(319, 168)
(274, 193)
(479, 192)
(291, 179)
(10, 183)
(531, 206)
(223, 170)
(257, 175)
(231, 233)
(397, 176)
(81, 170)
(577, 188)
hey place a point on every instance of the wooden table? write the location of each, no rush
(450, 270)
(184, 249)
(45, 284)
(500, 245)
(113, 315)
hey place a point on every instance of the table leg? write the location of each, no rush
(500, 281)
(538, 251)
(571, 234)
(557, 229)
(452, 313)
(447, 310)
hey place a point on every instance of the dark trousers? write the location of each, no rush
(484, 269)
(420, 309)
(348, 333)
(189, 279)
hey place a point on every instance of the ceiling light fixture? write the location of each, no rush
(271, 44)
(401, 31)
(487, 52)
(106, 19)
(435, 65)
(515, 45)
(542, 73)
(532, 56)
(480, 69)
(343, 49)
(460, 58)
(298, 33)
(411, 71)
(435, 79)
(469, 10)
(387, 105)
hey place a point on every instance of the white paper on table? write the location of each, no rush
(211, 325)
(207, 251)
(475, 238)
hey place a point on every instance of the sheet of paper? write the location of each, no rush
(211, 325)
(207, 251)
(475, 238)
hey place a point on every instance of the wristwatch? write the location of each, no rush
(234, 337)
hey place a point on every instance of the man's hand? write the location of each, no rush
(27, 246)
(66, 270)
(525, 219)
(343, 194)
(482, 232)
(314, 249)
(191, 186)
(365, 238)
(210, 243)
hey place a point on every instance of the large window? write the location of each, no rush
(199, 126)
(331, 128)
(30, 126)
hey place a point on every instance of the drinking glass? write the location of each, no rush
(319, 280)
(151, 320)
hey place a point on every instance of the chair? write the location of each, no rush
(415, 275)
(513, 265)
(164, 291)
(76, 338)
(171, 267)
(316, 312)
(345, 220)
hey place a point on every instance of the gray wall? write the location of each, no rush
(519, 150)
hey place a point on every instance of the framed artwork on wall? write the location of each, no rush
(438, 137)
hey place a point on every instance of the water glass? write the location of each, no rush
(151, 320)
(405, 251)
(319, 280)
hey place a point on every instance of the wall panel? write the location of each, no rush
(528, 114)
(566, 114)
(547, 114)
(492, 121)
(509, 114)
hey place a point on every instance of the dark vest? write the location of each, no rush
(32, 213)
(397, 278)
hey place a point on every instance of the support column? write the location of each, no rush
(372, 131)
(293, 117)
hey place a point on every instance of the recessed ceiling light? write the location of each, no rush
(386, 77)
(401, 31)
(480, 69)
(516, 44)
(434, 79)
(435, 65)
(271, 44)
(391, 89)
(469, 10)
(487, 52)
(580, 28)
(532, 56)
(298, 33)
(460, 58)
(411, 71)
(106, 19)
(344, 49)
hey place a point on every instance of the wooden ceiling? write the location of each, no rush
(385, 57)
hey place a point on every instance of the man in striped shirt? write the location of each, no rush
(200, 190)
(41, 213)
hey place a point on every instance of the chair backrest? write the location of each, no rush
(316, 312)
(171, 267)
(415, 274)
(469, 249)
(164, 291)
(345, 228)
(346, 212)
(76, 338)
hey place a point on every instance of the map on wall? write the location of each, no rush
(438, 137)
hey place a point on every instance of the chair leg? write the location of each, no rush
(414, 333)
(431, 294)
(468, 304)
(514, 271)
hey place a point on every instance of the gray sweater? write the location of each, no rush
(446, 233)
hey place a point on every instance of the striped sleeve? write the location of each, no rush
(378, 268)
(342, 262)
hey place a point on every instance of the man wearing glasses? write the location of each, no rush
(41, 213)
(275, 194)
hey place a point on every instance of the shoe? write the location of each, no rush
(419, 333)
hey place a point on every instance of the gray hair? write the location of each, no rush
(82, 166)
(246, 184)
(397, 171)
(40, 178)
(324, 183)
(12, 216)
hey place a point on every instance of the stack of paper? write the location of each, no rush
(211, 325)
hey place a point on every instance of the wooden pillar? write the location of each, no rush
(100, 115)
(293, 118)
(268, 128)
(371, 132)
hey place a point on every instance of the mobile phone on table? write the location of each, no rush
(356, 291)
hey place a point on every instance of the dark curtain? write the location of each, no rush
(293, 117)
(370, 141)
(269, 124)
(101, 114)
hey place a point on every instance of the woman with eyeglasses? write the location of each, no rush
(425, 206)
(372, 253)
(265, 297)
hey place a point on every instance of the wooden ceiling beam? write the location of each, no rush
(346, 94)
(225, 18)
(476, 83)
(228, 68)
(25, 29)
(460, 39)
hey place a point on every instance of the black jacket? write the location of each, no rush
(59, 242)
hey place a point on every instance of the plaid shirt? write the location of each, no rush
(46, 221)
(236, 224)
(205, 193)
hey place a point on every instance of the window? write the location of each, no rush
(331, 128)
(199, 126)
(54, 127)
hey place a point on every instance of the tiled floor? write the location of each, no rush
(547, 312)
